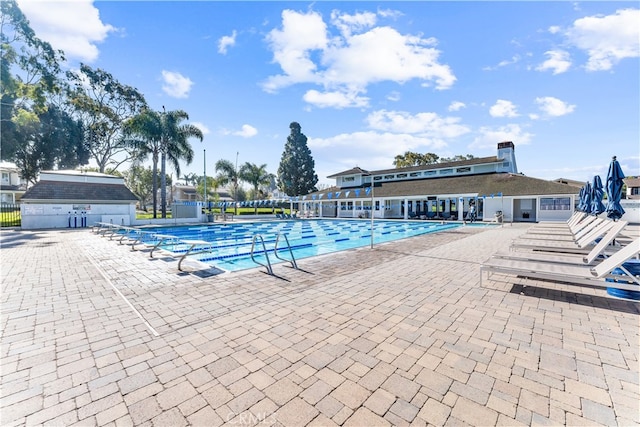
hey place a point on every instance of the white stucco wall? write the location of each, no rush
(631, 210)
(56, 215)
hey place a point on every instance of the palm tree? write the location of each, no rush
(175, 147)
(143, 132)
(162, 136)
(190, 178)
(228, 173)
(256, 176)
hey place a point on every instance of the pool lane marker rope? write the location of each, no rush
(104, 276)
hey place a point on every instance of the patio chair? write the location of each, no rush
(554, 243)
(573, 220)
(571, 273)
(585, 224)
(594, 256)
(576, 234)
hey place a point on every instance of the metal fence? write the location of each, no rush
(10, 215)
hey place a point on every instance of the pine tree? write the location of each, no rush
(296, 174)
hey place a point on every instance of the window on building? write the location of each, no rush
(446, 171)
(388, 177)
(5, 178)
(555, 204)
(349, 178)
(414, 174)
(429, 173)
(377, 178)
(635, 191)
(463, 170)
(401, 175)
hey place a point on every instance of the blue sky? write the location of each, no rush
(370, 80)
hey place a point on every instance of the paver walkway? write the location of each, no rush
(95, 334)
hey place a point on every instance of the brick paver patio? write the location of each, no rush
(95, 334)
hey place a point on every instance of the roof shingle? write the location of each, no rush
(79, 191)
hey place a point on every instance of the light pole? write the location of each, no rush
(204, 196)
(372, 210)
(235, 186)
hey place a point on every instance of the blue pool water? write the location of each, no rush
(231, 242)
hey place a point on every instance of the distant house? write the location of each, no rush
(445, 190)
(188, 193)
(633, 187)
(184, 193)
(61, 199)
(11, 187)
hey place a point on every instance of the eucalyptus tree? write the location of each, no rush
(29, 67)
(36, 132)
(53, 141)
(255, 175)
(103, 104)
(161, 136)
(296, 174)
(410, 158)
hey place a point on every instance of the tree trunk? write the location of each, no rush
(154, 180)
(163, 184)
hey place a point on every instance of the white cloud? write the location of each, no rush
(74, 27)
(553, 107)
(334, 99)
(347, 24)
(489, 136)
(559, 62)
(514, 59)
(503, 108)
(247, 131)
(394, 96)
(457, 106)
(205, 130)
(554, 29)
(348, 62)
(175, 84)
(607, 39)
(226, 41)
(370, 149)
(424, 124)
(292, 46)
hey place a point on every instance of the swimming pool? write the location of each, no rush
(232, 242)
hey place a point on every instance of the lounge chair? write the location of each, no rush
(575, 218)
(585, 224)
(575, 235)
(552, 243)
(571, 273)
(594, 256)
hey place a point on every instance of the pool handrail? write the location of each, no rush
(293, 262)
(266, 254)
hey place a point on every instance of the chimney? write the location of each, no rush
(506, 152)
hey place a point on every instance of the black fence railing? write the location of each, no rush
(10, 215)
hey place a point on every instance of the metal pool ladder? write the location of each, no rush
(293, 262)
(264, 250)
(275, 251)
